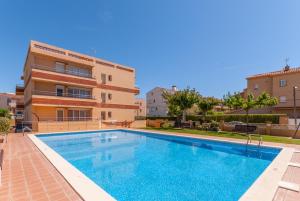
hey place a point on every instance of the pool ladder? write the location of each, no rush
(249, 139)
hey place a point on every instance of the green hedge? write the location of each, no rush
(253, 118)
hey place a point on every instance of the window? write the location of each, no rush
(73, 70)
(103, 97)
(109, 96)
(282, 99)
(79, 115)
(109, 115)
(59, 90)
(59, 115)
(282, 83)
(79, 93)
(59, 67)
(256, 87)
(103, 117)
(153, 100)
(110, 78)
(103, 78)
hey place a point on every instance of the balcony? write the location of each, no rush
(59, 94)
(63, 71)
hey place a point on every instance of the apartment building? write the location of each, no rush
(156, 104)
(63, 85)
(141, 104)
(278, 84)
(13, 103)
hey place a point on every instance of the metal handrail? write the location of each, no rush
(68, 95)
(65, 71)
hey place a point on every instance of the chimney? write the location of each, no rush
(286, 68)
(174, 88)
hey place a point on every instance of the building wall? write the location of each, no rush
(284, 94)
(121, 86)
(156, 104)
(264, 84)
(141, 111)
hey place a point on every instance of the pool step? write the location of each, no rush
(289, 186)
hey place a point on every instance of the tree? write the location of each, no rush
(206, 104)
(236, 101)
(180, 101)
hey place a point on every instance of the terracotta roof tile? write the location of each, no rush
(274, 73)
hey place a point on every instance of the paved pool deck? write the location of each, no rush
(28, 175)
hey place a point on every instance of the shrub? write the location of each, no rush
(253, 118)
(166, 125)
(4, 113)
(214, 126)
(4, 125)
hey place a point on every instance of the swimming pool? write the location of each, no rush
(133, 165)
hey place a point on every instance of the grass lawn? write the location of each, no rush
(266, 138)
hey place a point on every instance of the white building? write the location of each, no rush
(156, 104)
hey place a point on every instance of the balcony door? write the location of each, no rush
(59, 115)
(59, 90)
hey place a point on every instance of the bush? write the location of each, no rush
(4, 125)
(166, 125)
(253, 118)
(162, 118)
(4, 113)
(214, 126)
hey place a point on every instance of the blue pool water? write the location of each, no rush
(138, 166)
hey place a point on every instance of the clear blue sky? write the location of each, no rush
(211, 45)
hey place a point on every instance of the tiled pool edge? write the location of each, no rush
(85, 187)
(265, 186)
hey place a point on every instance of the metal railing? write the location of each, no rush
(63, 71)
(65, 119)
(68, 95)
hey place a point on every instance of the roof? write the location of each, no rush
(68, 54)
(275, 73)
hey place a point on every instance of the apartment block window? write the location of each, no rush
(103, 115)
(110, 78)
(79, 93)
(103, 97)
(282, 99)
(282, 83)
(59, 67)
(103, 78)
(79, 115)
(109, 96)
(256, 87)
(59, 90)
(73, 70)
(109, 115)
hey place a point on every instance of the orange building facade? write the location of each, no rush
(62, 85)
(279, 84)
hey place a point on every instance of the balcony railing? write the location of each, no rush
(68, 95)
(63, 71)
